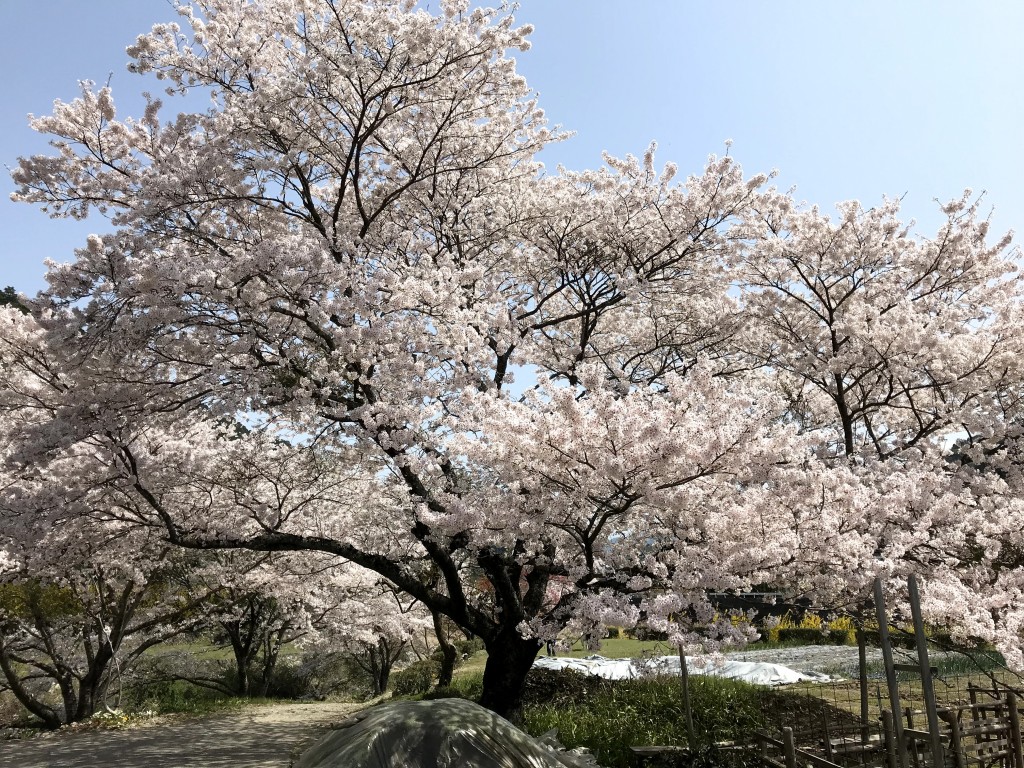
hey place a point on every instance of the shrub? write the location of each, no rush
(330, 673)
(463, 648)
(468, 687)
(469, 647)
(556, 688)
(415, 679)
(11, 711)
(811, 629)
(645, 633)
(608, 717)
(808, 636)
(290, 680)
(167, 696)
(896, 638)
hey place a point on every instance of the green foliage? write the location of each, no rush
(467, 648)
(624, 647)
(288, 681)
(415, 679)
(29, 599)
(644, 633)
(333, 673)
(608, 717)
(178, 696)
(463, 650)
(9, 298)
(469, 687)
(806, 636)
(896, 638)
(11, 711)
(811, 629)
(421, 676)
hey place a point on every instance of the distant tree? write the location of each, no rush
(9, 298)
(78, 621)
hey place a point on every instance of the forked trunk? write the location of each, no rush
(509, 658)
(449, 653)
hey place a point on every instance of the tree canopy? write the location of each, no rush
(533, 401)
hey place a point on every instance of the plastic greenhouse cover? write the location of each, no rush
(445, 733)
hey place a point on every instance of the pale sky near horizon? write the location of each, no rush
(920, 98)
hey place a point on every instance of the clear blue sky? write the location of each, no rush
(847, 100)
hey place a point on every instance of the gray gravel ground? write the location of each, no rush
(260, 737)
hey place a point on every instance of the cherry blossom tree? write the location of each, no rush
(375, 629)
(259, 606)
(81, 596)
(82, 629)
(894, 348)
(354, 254)
(354, 246)
(895, 342)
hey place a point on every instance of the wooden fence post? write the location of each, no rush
(927, 689)
(890, 673)
(684, 673)
(789, 747)
(828, 736)
(862, 674)
(909, 713)
(889, 733)
(955, 743)
(1016, 748)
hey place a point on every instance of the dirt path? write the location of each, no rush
(260, 737)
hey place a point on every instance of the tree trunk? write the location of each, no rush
(91, 686)
(383, 676)
(449, 653)
(45, 713)
(241, 676)
(376, 665)
(509, 658)
(271, 649)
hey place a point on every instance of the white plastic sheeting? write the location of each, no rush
(446, 733)
(757, 672)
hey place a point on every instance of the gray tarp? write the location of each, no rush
(445, 733)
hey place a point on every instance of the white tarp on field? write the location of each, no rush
(757, 672)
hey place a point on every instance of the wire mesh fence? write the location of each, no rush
(841, 721)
